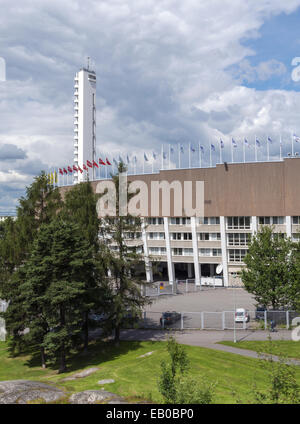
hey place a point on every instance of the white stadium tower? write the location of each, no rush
(84, 120)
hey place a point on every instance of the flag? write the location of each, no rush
(95, 164)
(61, 171)
(296, 138)
(181, 149)
(154, 155)
(202, 149)
(246, 142)
(234, 143)
(84, 167)
(79, 169)
(108, 162)
(128, 160)
(222, 144)
(192, 149)
(101, 162)
(171, 149)
(165, 155)
(70, 169)
(135, 159)
(55, 177)
(120, 159)
(89, 164)
(270, 140)
(212, 147)
(75, 168)
(50, 177)
(145, 157)
(257, 142)
(65, 171)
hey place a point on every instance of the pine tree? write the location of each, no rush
(126, 301)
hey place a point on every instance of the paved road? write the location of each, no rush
(209, 339)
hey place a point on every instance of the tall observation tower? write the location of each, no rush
(84, 120)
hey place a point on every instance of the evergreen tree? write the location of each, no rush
(54, 290)
(80, 206)
(39, 206)
(126, 301)
(269, 268)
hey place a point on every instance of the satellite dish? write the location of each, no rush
(219, 269)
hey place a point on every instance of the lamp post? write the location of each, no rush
(234, 294)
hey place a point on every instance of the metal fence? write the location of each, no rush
(159, 288)
(211, 320)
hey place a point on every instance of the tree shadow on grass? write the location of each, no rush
(98, 353)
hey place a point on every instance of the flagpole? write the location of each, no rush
(189, 155)
(255, 149)
(199, 153)
(179, 156)
(162, 156)
(152, 164)
(280, 148)
(169, 156)
(220, 147)
(231, 151)
(244, 150)
(292, 145)
(210, 163)
(268, 149)
(200, 157)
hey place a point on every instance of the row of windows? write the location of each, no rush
(213, 220)
(132, 236)
(180, 221)
(181, 236)
(237, 255)
(182, 252)
(210, 252)
(185, 236)
(209, 236)
(271, 220)
(157, 251)
(238, 239)
(238, 223)
(296, 220)
(156, 236)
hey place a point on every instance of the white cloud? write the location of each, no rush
(162, 74)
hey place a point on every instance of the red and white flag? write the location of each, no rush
(61, 171)
(75, 168)
(95, 164)
(70, 169)
(108, 162)
(79, 169)
(89, 164)
(65, 171)
(84, 167)
(101, 162)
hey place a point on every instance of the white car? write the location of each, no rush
(242, 315)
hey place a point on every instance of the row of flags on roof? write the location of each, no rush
(169, 153)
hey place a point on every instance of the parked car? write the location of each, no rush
(169, 317)
(242, 315)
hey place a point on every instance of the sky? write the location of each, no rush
(168, 73)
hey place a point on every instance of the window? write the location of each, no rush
(238, 239)
(182, 252)
(271, 220)
(180, 221)
(210, 252)
(156, 236)
(157, 251)
(238, 223)
(181, 236)
(155, 221)
(296, 220)
(237, 255)
(214, 220)
(209, 236)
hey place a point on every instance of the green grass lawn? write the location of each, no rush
(136, 378)
(288, 348)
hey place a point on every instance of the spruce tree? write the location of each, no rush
(61, 260)
(80, 207)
